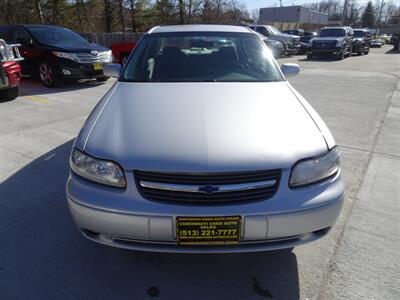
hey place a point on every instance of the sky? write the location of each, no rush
(251, 4)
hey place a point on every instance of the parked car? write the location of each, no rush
(298, 32)
(54, 54)
(121, 51)
(305, 37)
(290, 42)
(332, 41)
(377, 43)
(305, 41)
(361, 41)
(276, 47)
(204, 149)
(10, 71)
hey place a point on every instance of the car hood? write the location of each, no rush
(76, 48)
(202, 127)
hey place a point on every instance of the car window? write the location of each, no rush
(274, 30)
(6, 34)
(261, 29)
(55, 35)
(359, 33)
(200, 57)
(332, 32)
(20, 36)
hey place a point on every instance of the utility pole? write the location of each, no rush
(280, 3)
(346, 4)
(378, 23)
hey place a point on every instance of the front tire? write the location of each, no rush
(310, 56)
(102, 79)
(341, 55)
(9, 94)
(48, 75)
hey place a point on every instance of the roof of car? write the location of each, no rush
(200, 28)
(334, 27)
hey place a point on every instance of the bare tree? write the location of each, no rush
(121, 14)
(107, 15)
(181, 12)
(39, 11)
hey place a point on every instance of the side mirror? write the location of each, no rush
(290, 69)
(112, 70)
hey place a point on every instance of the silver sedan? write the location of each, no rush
(202, 145)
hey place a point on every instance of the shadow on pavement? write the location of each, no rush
(32, 87)
(44, 256)
(392, 51)
(320, 59)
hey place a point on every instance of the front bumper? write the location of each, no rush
(325, 51)
(124, 219)
(292, 49)
(73, 70)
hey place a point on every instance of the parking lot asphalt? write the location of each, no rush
(42, 255)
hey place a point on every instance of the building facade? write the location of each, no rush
(292, 14)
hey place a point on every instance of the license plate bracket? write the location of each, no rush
(197, 231)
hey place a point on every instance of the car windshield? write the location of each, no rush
(201, 57)
(55, 35)
(332, 32)
(359, 33)
(274, 30)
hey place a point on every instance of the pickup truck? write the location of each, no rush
(290, 42)
(10, 71)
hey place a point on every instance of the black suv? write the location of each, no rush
(362, 41)
(332, 41)
(54, 53)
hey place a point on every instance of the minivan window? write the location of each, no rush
(20, 36)
(332, 32)
(201, 57)
(55, 35)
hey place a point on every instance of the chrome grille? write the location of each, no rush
(208, 188)
(101, 57)
(324, 44)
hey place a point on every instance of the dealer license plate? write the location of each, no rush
(98, 66)
(208, 230)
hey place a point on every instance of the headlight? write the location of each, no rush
(101, 171)
(339, 43)
(316, 169)
(71, 56)
(110, 56)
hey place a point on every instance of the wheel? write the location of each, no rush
(9, 94)
(341, 55)
(310, 56)
(366, 51)
(102, 79)
(48, 75)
